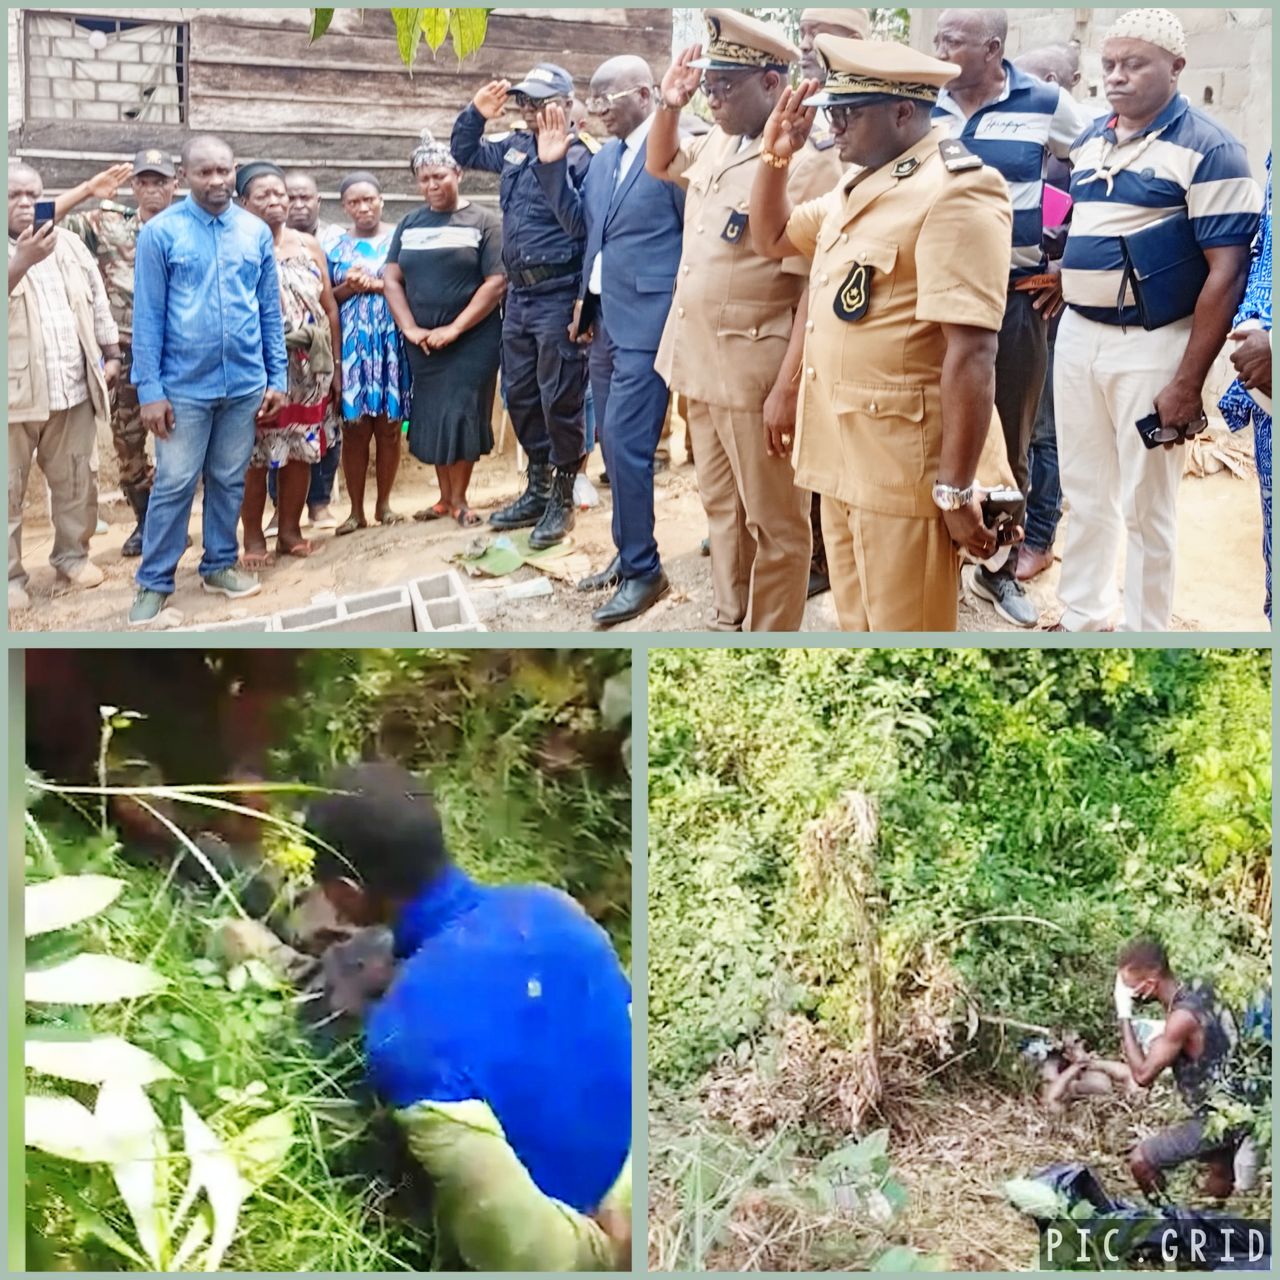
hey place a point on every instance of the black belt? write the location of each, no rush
(551, 271)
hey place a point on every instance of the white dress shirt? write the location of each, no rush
(630, 149)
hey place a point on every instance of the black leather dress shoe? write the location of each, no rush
(609, 576)
(632, 598)
(818, 583)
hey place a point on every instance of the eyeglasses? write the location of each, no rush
(604, 101)
(841, 117)
(722, 89)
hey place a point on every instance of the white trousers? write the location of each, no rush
(1104, 380)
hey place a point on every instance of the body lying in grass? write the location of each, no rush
(1068, 1073)
(503, 1043)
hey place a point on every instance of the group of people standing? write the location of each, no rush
(257, 345)
(857, 286)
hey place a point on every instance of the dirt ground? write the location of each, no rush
(952, 1146)
(1219, 576)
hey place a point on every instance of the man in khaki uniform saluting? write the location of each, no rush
(731, 320)
(780, 408)
(906, 297)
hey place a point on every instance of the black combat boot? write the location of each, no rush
(138, 499)
(527, 509)
(557, 520)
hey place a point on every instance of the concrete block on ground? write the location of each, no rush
(310, 617)
(441, 601)
(388, 609)
(261, 624)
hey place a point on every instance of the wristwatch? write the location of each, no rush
(946, 497)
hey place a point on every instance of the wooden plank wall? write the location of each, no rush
(347, 101)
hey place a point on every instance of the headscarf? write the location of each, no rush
(430, 153)
(360, 175)
(246, 173)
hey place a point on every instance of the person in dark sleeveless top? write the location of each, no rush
(1198, 1045)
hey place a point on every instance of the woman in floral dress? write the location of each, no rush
(291, 440)
(375, 374)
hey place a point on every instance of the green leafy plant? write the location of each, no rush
(465, 28)
(123, 1131)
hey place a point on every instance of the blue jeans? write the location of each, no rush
(213, 439)
(1044, 503)
(320, 490)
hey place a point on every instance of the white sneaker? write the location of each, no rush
(584, 492)
(84, 575)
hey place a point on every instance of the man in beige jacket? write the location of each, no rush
(64, 356)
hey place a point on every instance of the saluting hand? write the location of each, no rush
(682, 80)
(104, 185)
(553, 133)
(790, 123)
(491, 99)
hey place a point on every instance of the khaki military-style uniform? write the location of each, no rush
(907, 248)
(723, 346)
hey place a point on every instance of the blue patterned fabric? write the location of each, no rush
(375, 373)
(513, 996)
(1237, 405)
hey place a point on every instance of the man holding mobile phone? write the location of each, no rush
(64, 358)
(1155, 167)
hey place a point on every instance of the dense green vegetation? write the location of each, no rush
(1030, 811)
(1104, 793)
(526, 754)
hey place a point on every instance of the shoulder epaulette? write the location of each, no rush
(592, 144)
(957, 157)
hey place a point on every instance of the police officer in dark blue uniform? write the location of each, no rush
(544, 372)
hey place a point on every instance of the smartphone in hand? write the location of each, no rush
(1002, 510)
(46, 212)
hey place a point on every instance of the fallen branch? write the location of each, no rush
(1013, 1022)
(965, 924)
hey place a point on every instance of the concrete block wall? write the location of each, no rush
(69, 79)
(13, 31)
(1228, 73)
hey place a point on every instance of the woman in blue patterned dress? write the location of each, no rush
(375, 374)
(1249, 396)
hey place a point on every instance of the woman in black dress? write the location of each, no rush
(444, 281)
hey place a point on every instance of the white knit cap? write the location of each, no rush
(1156, 26)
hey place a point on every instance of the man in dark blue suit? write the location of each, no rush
(632, 224)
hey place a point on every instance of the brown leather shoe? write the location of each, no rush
(1032, 562)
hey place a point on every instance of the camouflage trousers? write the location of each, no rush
(129, 435)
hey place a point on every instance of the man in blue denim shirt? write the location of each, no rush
(208, 356)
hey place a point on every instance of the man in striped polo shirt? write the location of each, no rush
(1155, 161)
(1012, 120)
